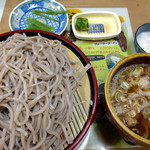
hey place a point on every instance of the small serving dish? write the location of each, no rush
(142, 39)
(18, 16)
(109, 20)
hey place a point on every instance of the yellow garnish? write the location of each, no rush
(121, 19)
(72, 12)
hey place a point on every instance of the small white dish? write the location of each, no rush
(110, 21)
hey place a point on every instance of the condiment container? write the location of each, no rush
(109, 20)
(142, 39)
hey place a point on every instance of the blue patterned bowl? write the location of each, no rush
(17, 19)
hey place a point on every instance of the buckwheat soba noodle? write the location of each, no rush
(37, 82)
(130, 97)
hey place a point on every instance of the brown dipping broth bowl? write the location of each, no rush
(125, 132)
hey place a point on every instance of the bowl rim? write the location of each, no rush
(108, 102)
(94, 83)
(140, 27)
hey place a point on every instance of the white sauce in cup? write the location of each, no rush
(143, 40)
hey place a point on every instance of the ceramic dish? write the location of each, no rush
(17, 18)
(110, 21)
(142, 39)
(128, 134)
(88, 92)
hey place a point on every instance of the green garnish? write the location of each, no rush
(50, 12)
(82, 24)
(32, 26)
(35, 24)
(39, 14)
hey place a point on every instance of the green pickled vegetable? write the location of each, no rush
(35, 24)
(50, 12)
(82, 24)
(40, 14)
(32, 26)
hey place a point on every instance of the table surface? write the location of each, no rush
(138, 9)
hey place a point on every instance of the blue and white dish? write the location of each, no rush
(17, 19)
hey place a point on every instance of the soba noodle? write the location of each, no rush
(37, 82)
